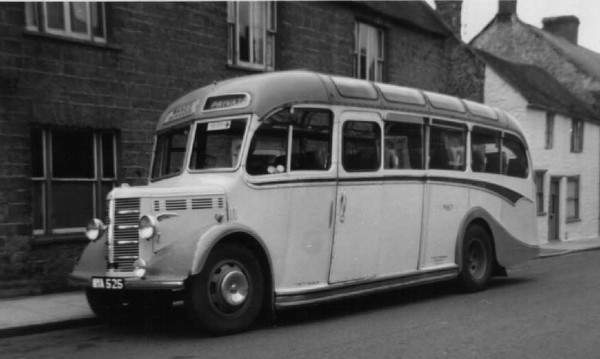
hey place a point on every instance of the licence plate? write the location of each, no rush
(108, 283)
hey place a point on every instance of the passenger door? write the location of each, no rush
(402, 203)
(312, 201)
(356, 244)
(446, 197)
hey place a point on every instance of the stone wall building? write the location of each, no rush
(83, 84)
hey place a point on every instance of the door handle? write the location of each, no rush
(343, 207)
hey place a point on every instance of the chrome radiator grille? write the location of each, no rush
(125, 239)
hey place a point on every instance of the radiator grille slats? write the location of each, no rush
(202, 203)
(197, 203)
(176, 204)
(125, 233)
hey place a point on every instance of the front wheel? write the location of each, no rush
(477, 259)
(227, 296)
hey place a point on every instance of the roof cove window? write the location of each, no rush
(252, 27)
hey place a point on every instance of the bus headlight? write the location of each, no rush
(139, 267)
(94, 229)
(147, 227)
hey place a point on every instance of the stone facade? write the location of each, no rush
(156, 52)
(557, 161)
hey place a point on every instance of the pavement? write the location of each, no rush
(42, 313)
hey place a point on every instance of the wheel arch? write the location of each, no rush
(481, 217)
(237, 235)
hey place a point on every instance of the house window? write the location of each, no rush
(576, 135)
(549, 130)
(252, 28)
(76, 20)
(369, 52)
(539, 190)
(72, 171)
(573, 198)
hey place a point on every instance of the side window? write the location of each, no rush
(485, 151)
(447, 148)
(311, 140)
(516, 157)
(268, 149)
(361, 147)
(403, 146)
(311, 134)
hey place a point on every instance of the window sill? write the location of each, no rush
(542, 214)
(573, 220)
(66, 39)
(52, 239)
(249, 68)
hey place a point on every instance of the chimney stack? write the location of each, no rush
(563, 26)
(450, 12)
(506, 9)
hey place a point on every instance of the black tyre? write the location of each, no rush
(228, 295)
(477, 259)
(112, 306)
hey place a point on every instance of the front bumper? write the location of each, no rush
(132, 283)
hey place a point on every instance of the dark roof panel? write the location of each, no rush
(584, 58)
(416, 13)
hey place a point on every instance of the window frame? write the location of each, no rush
(523, 146)
(497, 134)
(577, 132)
(540, 194)
(549, 139)
(289, 137)
(379, 57)
(577, 199)
(269, 29)
(48, 180)
(36, 20)
(406, 120)
(378, 146)
(456, 127)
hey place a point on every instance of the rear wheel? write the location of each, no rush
(227, 296)
(477, 259)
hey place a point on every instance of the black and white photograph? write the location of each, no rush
(300, 179)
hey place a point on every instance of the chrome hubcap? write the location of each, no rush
(228, 287)
(476, 259)
(234, 287)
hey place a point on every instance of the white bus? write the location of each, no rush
(288, 188)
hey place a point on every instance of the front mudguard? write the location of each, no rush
(92, 261)
(170, 266)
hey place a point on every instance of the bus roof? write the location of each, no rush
(260, 94)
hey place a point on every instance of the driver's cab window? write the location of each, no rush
(310, 132)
